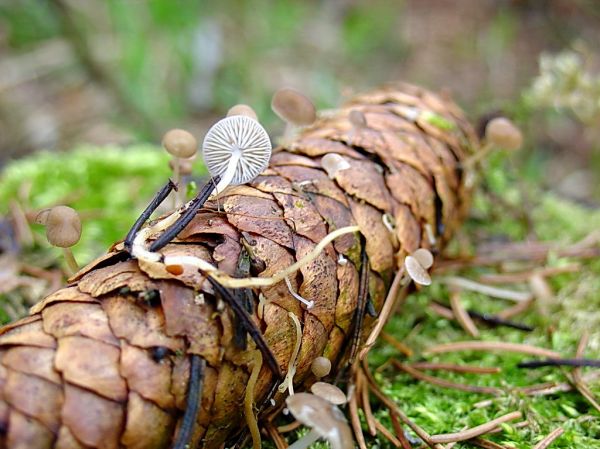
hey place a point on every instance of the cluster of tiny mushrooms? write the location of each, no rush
(236, 149)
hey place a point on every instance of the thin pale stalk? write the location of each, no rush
(491, 346)
(443, 382)
(462, 315)
(548, 440)
(474, 431)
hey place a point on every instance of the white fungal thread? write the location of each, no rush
(306, 302)
(288, 381)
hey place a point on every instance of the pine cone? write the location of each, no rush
(105, 361)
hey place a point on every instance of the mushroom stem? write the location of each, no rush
(306, 440)
(177, 200)
(73, 266)
(230, 172)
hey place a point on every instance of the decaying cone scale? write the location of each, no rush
(105, 361)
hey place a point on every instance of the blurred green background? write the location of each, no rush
(124, 71)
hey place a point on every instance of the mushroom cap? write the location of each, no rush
(416, 271)
(323, 417)
(180, 143)
(242, 109)
(332, 163)
(424, 257)
(230, 135)
(294, 107)
(357, 118)
(329, 392)
(504, 134)
(321, 366)
(63, 226)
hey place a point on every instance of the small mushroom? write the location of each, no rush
(237, 149)
(63, 229)
(333, 163)
(329, 392)
(502, 133)
(321, 367)
(293, 108)
(242, 109)
(182, 145)
(324, 419)
(424, 257)
(357, 119)
(416, 271)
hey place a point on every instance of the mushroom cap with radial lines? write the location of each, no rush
(240, 135)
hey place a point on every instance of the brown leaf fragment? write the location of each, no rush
(303, 217)
(315, 332)
(319, 282)
(140, 326)
(276, 259)
(209, 223)
(31, 360)
(286, 158)
(363, 181)
(260, 216)
(226, 255)
(35, 397)
(109, 258)
(409, 187)
(310, 180)
(183, 317)
(407, 229)
(347, 300)
(280, 333)
(66, 440)
(244, 190)
(227, 407)
(312, 147)
(93, 420)
(28, 334)
(91, 364)
(144, 376)
(337, 216)
(380, 248)
(123, 274)
(273, 183)
(27, 433)
(67, 294)
(138, 434)
(188, 275)
(88, 320)
(179, 380)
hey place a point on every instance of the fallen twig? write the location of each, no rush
(548, 440)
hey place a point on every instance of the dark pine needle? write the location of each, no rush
(184, 436)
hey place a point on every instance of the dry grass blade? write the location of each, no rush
(394, 409)
(491, 346)
(445, 383)
(401, 347)
(577, 378)
(362, 388)
(485, 444)
(524, 276)
(457, 368)
(462, 315)
(386, 310)
(387, 434)
(548, 440)
(399, 431)
(474, 431)
(355, 420)
(495, 292)
(547, 388)
(515, 310)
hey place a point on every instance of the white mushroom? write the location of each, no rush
(424, 257)
(237, 148)
(333, 163)
(324, 418)
(321, 366)
(329, 392)
(416, 271)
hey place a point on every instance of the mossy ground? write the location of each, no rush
(110, 186)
